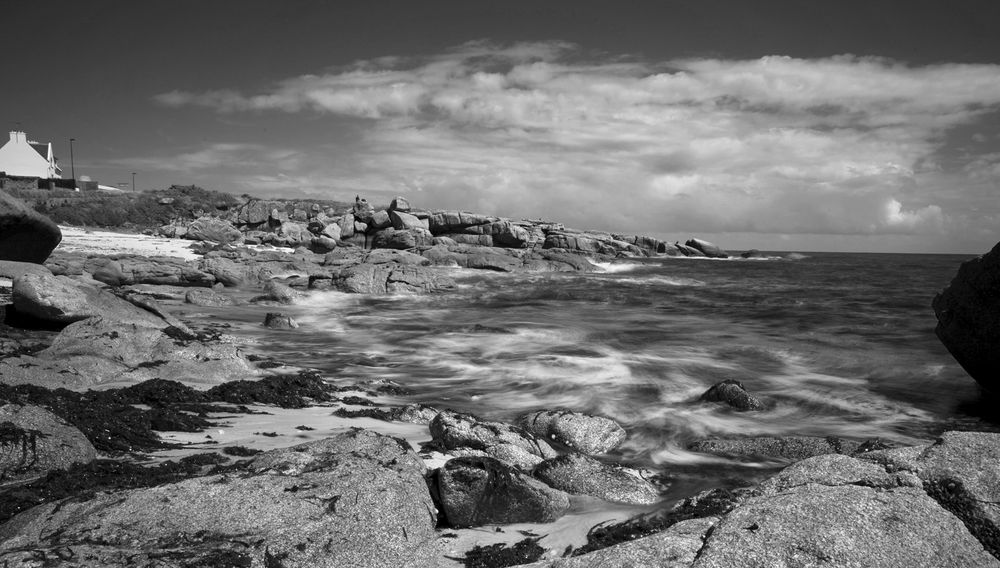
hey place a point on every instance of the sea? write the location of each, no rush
(835, 344)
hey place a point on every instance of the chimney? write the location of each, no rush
(14, 134)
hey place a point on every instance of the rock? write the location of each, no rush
(14, 269)
(752, 253)
(127, 270)
(708, 249)
(253, 212)
(98, 350)
(399, 204)
(380, 220)
(278, 292)
(475, 239)
(441, 222)
(961, 471)
(502, 234)
(579, 474)
(732, 393)
(968, 314)
(590, 242)
(847, 525)
(60, 299)
(582, 432)
(785, 447)
(346, 224)
(482, 491)
(208, 298)
(275, 320)
(688, 251)
(225, 271)
(674, 547)
(25, 235)
(33, 441)
(360, 227)
(383, 256)
(357, 499)
(835, 469)
(331, 230)
(291, 234)
(213, 230)
(322, 244)
(402, 221)
(401, 239)
(504, 442)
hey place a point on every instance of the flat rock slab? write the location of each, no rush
(357, 499)
(849, 525)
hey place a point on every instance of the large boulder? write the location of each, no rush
(60, 299)
(384, 278)
(402, 238)
(968, 314)
(33, 441)
(579, 474)
(841, 525)
(708, 249)
(356, 499)
(582, 432)
(507, 443)
(476, 491)
(213, 230)
(25, 235)
(14, 269)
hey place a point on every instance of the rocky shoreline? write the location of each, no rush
(94, 366)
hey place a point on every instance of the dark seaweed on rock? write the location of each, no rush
(707, 504)
(500, 555)
(81, 481)
(285, 391)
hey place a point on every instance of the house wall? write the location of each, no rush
(18, 158)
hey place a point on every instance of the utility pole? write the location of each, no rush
(133, 182)
(72, 165)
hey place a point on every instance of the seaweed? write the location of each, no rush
(285, 391)
(500, 555)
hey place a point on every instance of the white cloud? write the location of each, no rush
(840, 145)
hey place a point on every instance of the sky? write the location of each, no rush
(775, 124)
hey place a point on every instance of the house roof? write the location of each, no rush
(42, 149)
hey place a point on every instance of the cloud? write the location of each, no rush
(840, 145)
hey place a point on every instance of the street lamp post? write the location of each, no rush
(133, 182)
(72, 165)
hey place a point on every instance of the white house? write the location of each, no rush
(23, 157)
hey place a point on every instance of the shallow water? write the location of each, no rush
(836, 344)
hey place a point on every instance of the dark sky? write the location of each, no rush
(92, 70)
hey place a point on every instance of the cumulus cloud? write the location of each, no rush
(841, 145)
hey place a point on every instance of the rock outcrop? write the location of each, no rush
(25, 235)
(968, 314)
(504, 442)
(478, 491)
(357, 499)
(706, 248)
(582, 432)
(782, 448)
(579, 474)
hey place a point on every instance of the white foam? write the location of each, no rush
(615, 267)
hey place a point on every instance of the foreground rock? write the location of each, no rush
(60, 299)
(482, 491)
(506, 443)
(844, 525)
(25, 235)
(357, 499)
(582, 432)
(784, 447)
(33, 442)
(732, 393)
(968, 314)
(579, 474)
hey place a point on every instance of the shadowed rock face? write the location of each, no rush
(968, 313)
(732, 393)
(34, 441)
(25, 235)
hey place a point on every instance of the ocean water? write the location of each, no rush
(835, 344)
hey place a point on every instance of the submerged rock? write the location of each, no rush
(356, 499)
(484, 491)
(583, 432)
(208, 298)
(968, 314)
(275, 320)
(732, 392)
(579, 474)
